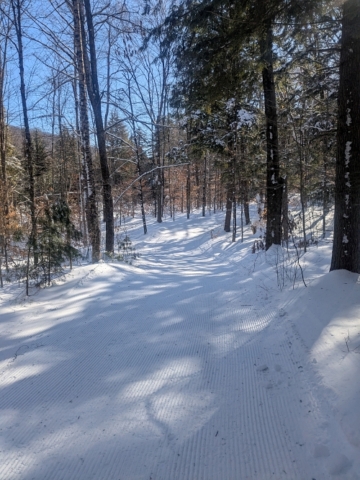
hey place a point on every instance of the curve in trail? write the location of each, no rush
(173, 370)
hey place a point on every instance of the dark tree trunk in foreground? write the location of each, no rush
(346, 247)
(273, 180)
(95, 99)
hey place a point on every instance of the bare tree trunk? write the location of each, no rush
(138, 163)
(229, 200)
(234, 220)
(346, 247)
(273, 180)
(2, 120)
(234, 198)
(3, 177)
(244, 184)
(302, 187)
(82, 192)
(325, 195)
(242, 223)
(188, 193)
(159, 176)
(17, 17)
(204, 188)
(108, 83)
(95, 99)
(285, 213)
(88, 171)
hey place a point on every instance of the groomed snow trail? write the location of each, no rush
(182, 367)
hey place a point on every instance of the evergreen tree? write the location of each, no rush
(56, 231)
(216, 37)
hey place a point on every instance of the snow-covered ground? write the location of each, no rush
(191, 363)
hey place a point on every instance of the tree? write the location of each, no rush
(88, 171)
(213, 37)
(16, 6)
(95, 99)
(54, 241)
(346, 247)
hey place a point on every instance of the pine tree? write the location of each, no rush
(56, 231)
(209, 35)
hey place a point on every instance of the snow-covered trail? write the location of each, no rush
(182, 367)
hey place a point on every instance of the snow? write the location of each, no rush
(245, 118)
(347, 153)
(348, 117)
(191, 364)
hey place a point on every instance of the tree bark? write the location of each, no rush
(273, 180)
(95, 99)
(92, 215)
(159, 176)
(229, 204)
(346, 246)
(285, 213)
(188, 193)
(302, 187)
(3, 177)
(204, 188)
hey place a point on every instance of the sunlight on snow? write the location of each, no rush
(20, 373)
(173, 370)
(172, 321)
(342, 335)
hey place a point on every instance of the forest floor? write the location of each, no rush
(198, 361)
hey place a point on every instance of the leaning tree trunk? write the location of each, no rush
(273, 180)
(95, 99)
(346, 246)
(92, 216)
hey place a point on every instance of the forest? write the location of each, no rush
(111, 109)
(180, 239)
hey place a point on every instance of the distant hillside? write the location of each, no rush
(16, 138)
